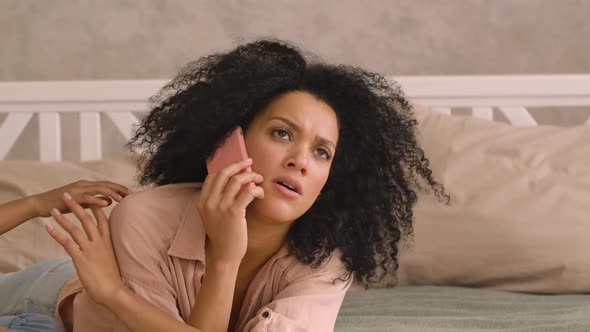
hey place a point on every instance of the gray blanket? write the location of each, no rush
(461, 309)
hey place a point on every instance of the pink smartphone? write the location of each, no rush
(233, 149)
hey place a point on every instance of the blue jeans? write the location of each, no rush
(29, 297)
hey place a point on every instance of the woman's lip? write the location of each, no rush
(289, 193)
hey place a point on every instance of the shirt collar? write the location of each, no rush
(189, 240)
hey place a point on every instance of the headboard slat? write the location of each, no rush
(124, 121)
(513, 95)
(486, 113)
(442, 110)
(518, 116)
(50, 136)
(10, 130)
(90, 136)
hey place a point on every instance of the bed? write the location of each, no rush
(509, 254)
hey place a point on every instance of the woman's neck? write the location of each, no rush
(265, 238)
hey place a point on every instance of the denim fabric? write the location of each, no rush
(31, 323)
(29, 296)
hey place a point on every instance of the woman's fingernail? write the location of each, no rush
(49, 227)
(55, 211)
(249, 160)
(67, 196)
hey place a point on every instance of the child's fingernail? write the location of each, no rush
(49, 227)
(55, 211)
(67, 196)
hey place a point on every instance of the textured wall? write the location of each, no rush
(116, 39)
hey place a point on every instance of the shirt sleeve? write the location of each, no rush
(309, 303)
(141, 255)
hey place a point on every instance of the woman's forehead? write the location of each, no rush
(305, 111)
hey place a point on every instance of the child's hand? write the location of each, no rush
(83, 192)
(91, 250)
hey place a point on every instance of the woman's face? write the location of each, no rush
(292, 144)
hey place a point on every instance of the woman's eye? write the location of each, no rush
(281, 133)
(324, 154)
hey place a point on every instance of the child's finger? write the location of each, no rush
(85, 218)
(68, 244)
(89, 200)
(104, 191)
(106, 188)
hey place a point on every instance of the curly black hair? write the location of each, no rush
(366, 204)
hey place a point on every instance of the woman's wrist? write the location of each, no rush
(221, 264)
(119, 299)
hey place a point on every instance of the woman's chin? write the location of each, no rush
(275, 209)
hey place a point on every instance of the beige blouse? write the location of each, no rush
(159, 241)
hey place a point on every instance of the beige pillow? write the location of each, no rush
(29, 242)
(520, 213)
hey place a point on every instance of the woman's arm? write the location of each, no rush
(215, 298)
(222, 207)
(140, 315)
(93, 256)
(16, 212)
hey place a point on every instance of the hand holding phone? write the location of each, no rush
(232, 149)
(225, 197)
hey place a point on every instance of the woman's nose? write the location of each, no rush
(298, 160)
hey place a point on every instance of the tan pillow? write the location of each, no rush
(520, 213)
(29, 242)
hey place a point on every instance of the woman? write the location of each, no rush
(335, 164)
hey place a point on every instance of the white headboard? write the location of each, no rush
(511, 95)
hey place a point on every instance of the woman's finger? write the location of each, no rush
(76, 233)
(102, 222)
(248, 195)
(235, 185)
(68, 244)
(83, 216)
(223, 176)
(207, 184)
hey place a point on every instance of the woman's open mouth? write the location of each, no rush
(286, 189)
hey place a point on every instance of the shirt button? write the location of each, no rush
(265, 314)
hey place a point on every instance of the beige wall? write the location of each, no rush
(116, 39)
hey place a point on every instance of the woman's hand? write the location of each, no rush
(222, 207)
(91, 250)
(83, 192)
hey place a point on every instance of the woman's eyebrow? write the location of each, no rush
(292, 124)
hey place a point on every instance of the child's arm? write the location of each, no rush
(16, 212)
